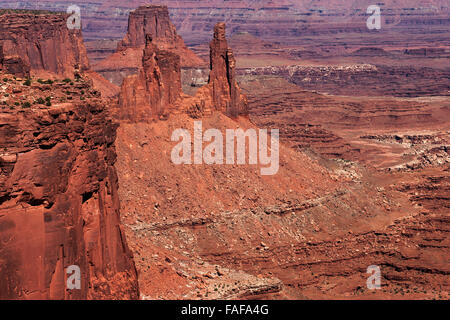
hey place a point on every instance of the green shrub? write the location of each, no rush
(26, 104)
(40, 101)
(27, 82)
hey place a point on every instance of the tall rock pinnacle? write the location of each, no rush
(226, 93)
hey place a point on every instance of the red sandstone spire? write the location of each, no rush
(226, 93)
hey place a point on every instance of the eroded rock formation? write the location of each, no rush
(42, 41)
(59, 204)
(150, 93)
(222, 92)
(14, 65)
(226, 93)
(157, 87)
(150, 20)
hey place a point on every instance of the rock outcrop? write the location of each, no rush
(222, 92)
(154, 20)
(59, 204)
(14, 65)
(150, 20)
(226, 93)
(149, 94)
(156, 90)
(42, 41)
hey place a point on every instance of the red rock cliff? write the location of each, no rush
(150, 20)
(58, 197)
(226, 93)
(150, 93)
(43, 41)
(155, 91)
(222, 92)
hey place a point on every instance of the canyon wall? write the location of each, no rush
(363, 79)
(284, 20)
(59, 204)
(14, 65)
(43, 41)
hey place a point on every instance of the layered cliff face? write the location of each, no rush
(14, 65)
(152, 20)
(157, 87)
(43, 41)
(363, 79)
(149, 94)
(146, 20)
(59, 204)
(308, 24)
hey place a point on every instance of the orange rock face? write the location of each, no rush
(226, 93)
(157, 86)
(14, 65)
(154, 20)
(222, 92)
(145, 20)
(59, 204)
(43, 42)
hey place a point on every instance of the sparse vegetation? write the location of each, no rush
(26, 104)
(40, 101)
